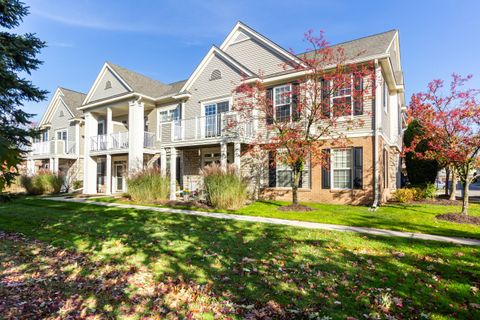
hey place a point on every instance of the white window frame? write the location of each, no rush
(332, 168)
(285, 167)
(104, 127)
(167, 109)
(61, 130)
(333, 96)
(274, 102)
(215, 101)
(45, 136)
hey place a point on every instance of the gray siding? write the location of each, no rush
(257, 57)
(116, 89)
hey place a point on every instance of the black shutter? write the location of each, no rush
(272, 170)
(358, 95)
(269, 115)
(357, 168)
(295, 111)
(325, 86)
(326, 169)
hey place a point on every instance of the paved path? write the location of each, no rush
(293, 223)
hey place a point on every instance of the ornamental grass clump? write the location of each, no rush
(224, 187)
(43, 182)
(148, 185)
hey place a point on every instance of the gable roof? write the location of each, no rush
(364, 47)
(71, 99)
(214, 50)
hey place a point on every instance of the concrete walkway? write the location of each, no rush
(292, 223)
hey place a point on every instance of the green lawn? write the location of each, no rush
(399, 217)
(145, 264)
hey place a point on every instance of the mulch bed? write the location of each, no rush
(295, 207)
(459, 218)
(439, 201)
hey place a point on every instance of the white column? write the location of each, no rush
(163, 161)
(237, 147)
(51, 165)
(173, 173)
(223, 154)
(109, 128)
(30, 167)
(77, 138)
(135, 136)
(55, 165)
(108, 178)
(89, 164)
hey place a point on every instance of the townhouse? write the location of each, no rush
(128, 121)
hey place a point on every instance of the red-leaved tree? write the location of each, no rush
(450, 119)
(315, 109)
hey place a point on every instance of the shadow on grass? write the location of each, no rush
(302, 271)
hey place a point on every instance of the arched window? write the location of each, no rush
(108, 85)
(216, 74)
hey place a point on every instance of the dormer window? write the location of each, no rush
(108, 85)
(216, 75)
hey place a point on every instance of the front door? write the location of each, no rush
(119, 177)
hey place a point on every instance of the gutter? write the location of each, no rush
(376, 191)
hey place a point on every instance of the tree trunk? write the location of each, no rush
(447, 180)
(466, 185)
(453, 187)
(295, 182)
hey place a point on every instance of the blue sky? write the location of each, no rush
(165, 40)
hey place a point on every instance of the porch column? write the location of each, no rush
(89, 164)
(108, 177)
(51, 165)
(135, 136)
(77, 138)
(55, 165)
(237, 147)
(109, 127)
(223, 154)
(163, 161)
(30, 167)
(173, 173)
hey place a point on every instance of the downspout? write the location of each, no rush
(376, 191)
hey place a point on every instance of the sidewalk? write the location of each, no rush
(292, 223)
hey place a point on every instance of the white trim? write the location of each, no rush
(332, 170)
(106, 67)
(208, 57)
(166, 109)
(108, 101)
(215, 101)
(254, 34)
(53, 106)
(274, 104)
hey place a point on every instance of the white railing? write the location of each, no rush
(206, 127)
(53, 147)
(118, 141)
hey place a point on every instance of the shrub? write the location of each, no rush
(44, 182)
(404, 195)
(148, 185)
(77, 184)
(225, 188)
(416, 193)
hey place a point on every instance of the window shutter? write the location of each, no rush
(358, 98)
(325, 86)
(326, 170)
(357, 168)
(295, 111)
(272, 170)
(269, 115)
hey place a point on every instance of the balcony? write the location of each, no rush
(209, 127)
(53, 147)
(118, 141)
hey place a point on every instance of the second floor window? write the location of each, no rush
(282, 102)
(345, 100)
(342, 100)
(169, 115)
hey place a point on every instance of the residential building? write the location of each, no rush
(132, 122)
(59, 148)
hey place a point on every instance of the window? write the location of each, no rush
(281, 175)
(342, 100)
(386, 96)
(282, 102)
(169, 115)
(108, 85)
(101, 127)
(216, 74)
(342, 168)
(62, 135)
(44, 136)
(213, 122)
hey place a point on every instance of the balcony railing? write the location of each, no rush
(118, 141)
(206, 127)
(53, 147)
